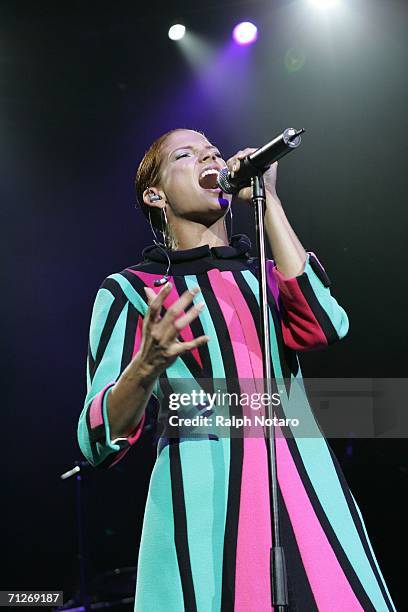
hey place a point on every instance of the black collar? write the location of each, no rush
(239, 246)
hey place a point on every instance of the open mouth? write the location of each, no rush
(208, 179)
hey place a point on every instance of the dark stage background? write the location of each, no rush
(83, 92)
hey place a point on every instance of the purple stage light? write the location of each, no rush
(245, 33)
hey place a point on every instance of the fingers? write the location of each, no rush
(234, 162)
(155, 301)
(193, 312)
(182, 347)
(168, 329)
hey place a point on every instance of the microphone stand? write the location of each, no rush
(278, 577)
(82, 559)
(283, 144)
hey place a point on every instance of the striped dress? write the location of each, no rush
(206, 535)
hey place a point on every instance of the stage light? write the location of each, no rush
(177, 31)
(323, 4)
(245, 33)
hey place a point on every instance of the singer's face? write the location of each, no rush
(189, 170)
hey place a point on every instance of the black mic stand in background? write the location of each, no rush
(84, 599)
(290, 139)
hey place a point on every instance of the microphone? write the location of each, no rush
(259, 161)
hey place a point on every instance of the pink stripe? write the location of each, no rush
(272, 280)
(135, 435)
(247, 325)
(252, 588)
(95, 407)
(138, 336)
(186, 333)
(221, 290)
(273, 285)
(327, 579)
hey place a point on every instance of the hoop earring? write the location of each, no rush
(229, 234)
(164, 225)
(161, 281)
(156, 240)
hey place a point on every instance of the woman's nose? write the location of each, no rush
(206, 155)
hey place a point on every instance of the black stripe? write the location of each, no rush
(135, 281)
(195, 266)
(111, 320)
(90, 430)
(338, 550)
(321, 315)
(97, 434)
(132, 320)
(319, 270)
(300, 593)
(197, 330)
(236, 450)
(180, 527)
(359, 526)
(91, 361)
(107, 462)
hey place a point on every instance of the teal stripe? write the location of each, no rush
(141, 306)
(205, 469)
(334, 311)
(88, 375)
(103, 302)
(320, 469)
(108, 371)
(158, 592)
(209, 330)
(254, 286)
(132, 295)
(109, 366)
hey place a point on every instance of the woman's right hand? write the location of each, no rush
(160, 346)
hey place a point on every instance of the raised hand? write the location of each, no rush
(160, 346)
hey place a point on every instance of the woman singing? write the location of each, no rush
(207, 529)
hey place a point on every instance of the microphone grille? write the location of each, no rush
(223, 181)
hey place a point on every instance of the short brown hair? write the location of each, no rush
(148, 174)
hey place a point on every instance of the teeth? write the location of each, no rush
(210, 171)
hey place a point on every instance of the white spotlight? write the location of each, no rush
(324, 3)
(177, 31)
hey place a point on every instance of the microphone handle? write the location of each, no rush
(259, 161)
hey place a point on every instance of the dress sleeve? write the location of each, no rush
(311, 317)
(114, 338)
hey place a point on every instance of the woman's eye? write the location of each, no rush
(180, 155)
